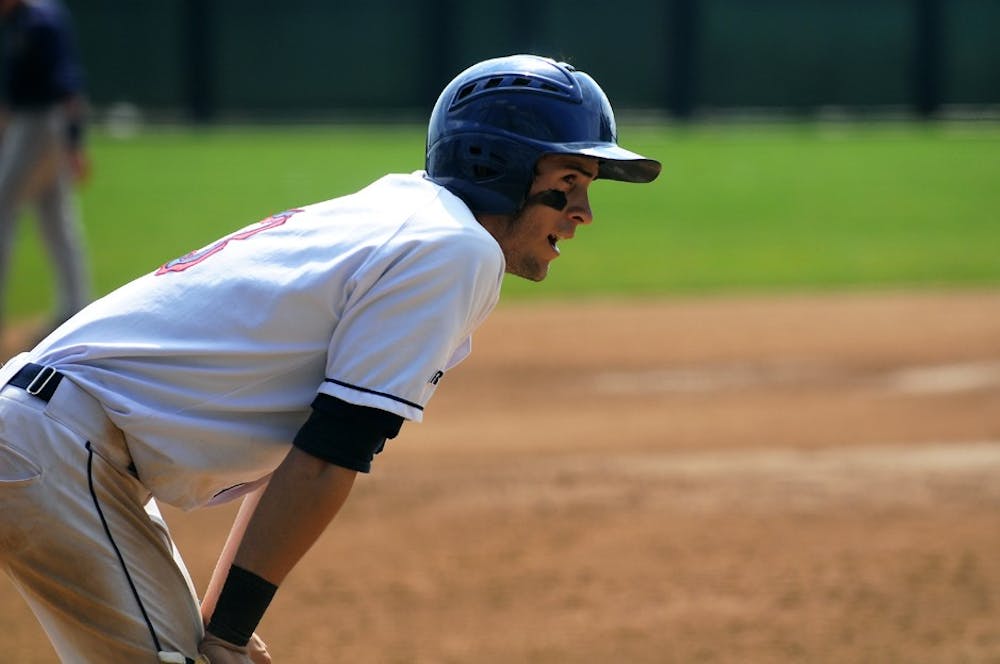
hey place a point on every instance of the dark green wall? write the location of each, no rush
(295, 58)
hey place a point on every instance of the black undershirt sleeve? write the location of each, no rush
(345, 434)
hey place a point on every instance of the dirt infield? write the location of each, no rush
(755, 479)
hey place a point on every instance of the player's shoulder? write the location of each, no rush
(403, 184)
(428, 207)
(450, 219)
(442, 226)
(408, 213)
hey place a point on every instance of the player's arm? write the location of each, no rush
(75, 108)
(302, 498)
(225, 560)
(65, 69)
(304, 494)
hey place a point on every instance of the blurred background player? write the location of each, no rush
(41, 150)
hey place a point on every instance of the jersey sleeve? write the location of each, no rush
(407, 318)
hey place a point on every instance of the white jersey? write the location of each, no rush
(209, 365)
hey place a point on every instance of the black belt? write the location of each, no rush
(37, 380)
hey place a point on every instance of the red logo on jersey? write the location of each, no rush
(195, 257)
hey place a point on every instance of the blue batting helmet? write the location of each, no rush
(495, 119)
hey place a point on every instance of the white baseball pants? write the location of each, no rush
(81, 538)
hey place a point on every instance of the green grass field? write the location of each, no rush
(738, 207)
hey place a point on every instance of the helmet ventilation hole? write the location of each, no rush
(482, 172)
(466, 91)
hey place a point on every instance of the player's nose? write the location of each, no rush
(579, 211)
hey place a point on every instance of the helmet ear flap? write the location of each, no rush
(491, 174)
(481, 164)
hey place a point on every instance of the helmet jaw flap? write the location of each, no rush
(494, 121)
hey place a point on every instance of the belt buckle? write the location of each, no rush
(40, 381)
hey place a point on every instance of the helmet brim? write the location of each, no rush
(617, 163)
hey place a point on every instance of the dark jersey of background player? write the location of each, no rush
(41, 67)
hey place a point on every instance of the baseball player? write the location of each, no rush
(273, 365)
(42, 149)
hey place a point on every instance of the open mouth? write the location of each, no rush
(553, 239)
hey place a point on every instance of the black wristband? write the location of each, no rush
(242, 603)
(74, 133)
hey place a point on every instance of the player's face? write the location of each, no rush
(530, 240)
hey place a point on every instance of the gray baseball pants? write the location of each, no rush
(34, 169)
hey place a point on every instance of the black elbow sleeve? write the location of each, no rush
(345, 434)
